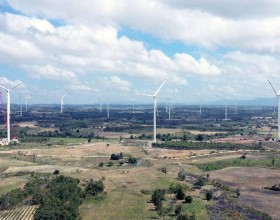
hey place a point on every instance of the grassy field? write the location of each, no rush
(238, 162)
(118, 205)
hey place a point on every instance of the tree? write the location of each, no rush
(164, 170)
(94, 187)
(188, 199)
(157, 198)
(199, 137)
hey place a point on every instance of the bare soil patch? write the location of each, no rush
(239, 139)
(75, 151)
(250, 181)
(44, 169)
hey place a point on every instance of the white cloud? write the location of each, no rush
(195, 22)
(64, 52)
(116, 83)
(89, 44)
(50, 72)
(10, 83)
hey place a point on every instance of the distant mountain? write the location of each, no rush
(259, 101)
(253, 102)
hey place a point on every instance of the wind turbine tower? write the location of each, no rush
(100, 105)
(26, 98)
(108, 109)
(155, 110)
(226, 118)
(169, 108)
(62, 103)
(278, 99)
(9, 111)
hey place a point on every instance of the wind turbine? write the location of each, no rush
(9, 111)
(108, 109)
(62, 102)
(277, 99)
(20, 98)
(100, 105)
(155, 109)
(21, 105)
(167, 107)
(26, 97)
(225, 106)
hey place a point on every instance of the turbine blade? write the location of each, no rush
(145, 94)
(4, 88)
(160, 88)
(15, 86)
(221, 97)
(272, 87)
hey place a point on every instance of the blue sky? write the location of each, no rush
(119, 49)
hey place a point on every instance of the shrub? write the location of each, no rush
(200, 182)
(157, 198)
(110, 163)
(56, 172)
(178, 209)
(188, 199)
(116, 156)
(101, 164)
(94, 187)
(182, 175)
(209, 196)
(180, 194)
(132, 160)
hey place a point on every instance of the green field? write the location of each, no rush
(248, 162)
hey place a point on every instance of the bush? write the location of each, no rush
(132, 160)
(116, 156)
(188, 199)
(180, 194)
(209, 196)
(101, 164)
(94, 187)
(157, 198)
(182, 175)
(110, 164)
(178, 209)
(56, 172)
(200, 182)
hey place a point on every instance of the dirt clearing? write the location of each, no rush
(251, 182)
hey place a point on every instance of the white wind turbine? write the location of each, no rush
(155, 110)
(226, 118)
(26, 98)
(20, 97)
(62, 103)
(108, 109)
(167, 107)
(9, 111)
(100, 104)
(277, 99)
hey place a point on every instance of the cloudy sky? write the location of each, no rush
(118, 49)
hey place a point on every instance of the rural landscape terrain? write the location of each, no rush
(80, 164)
